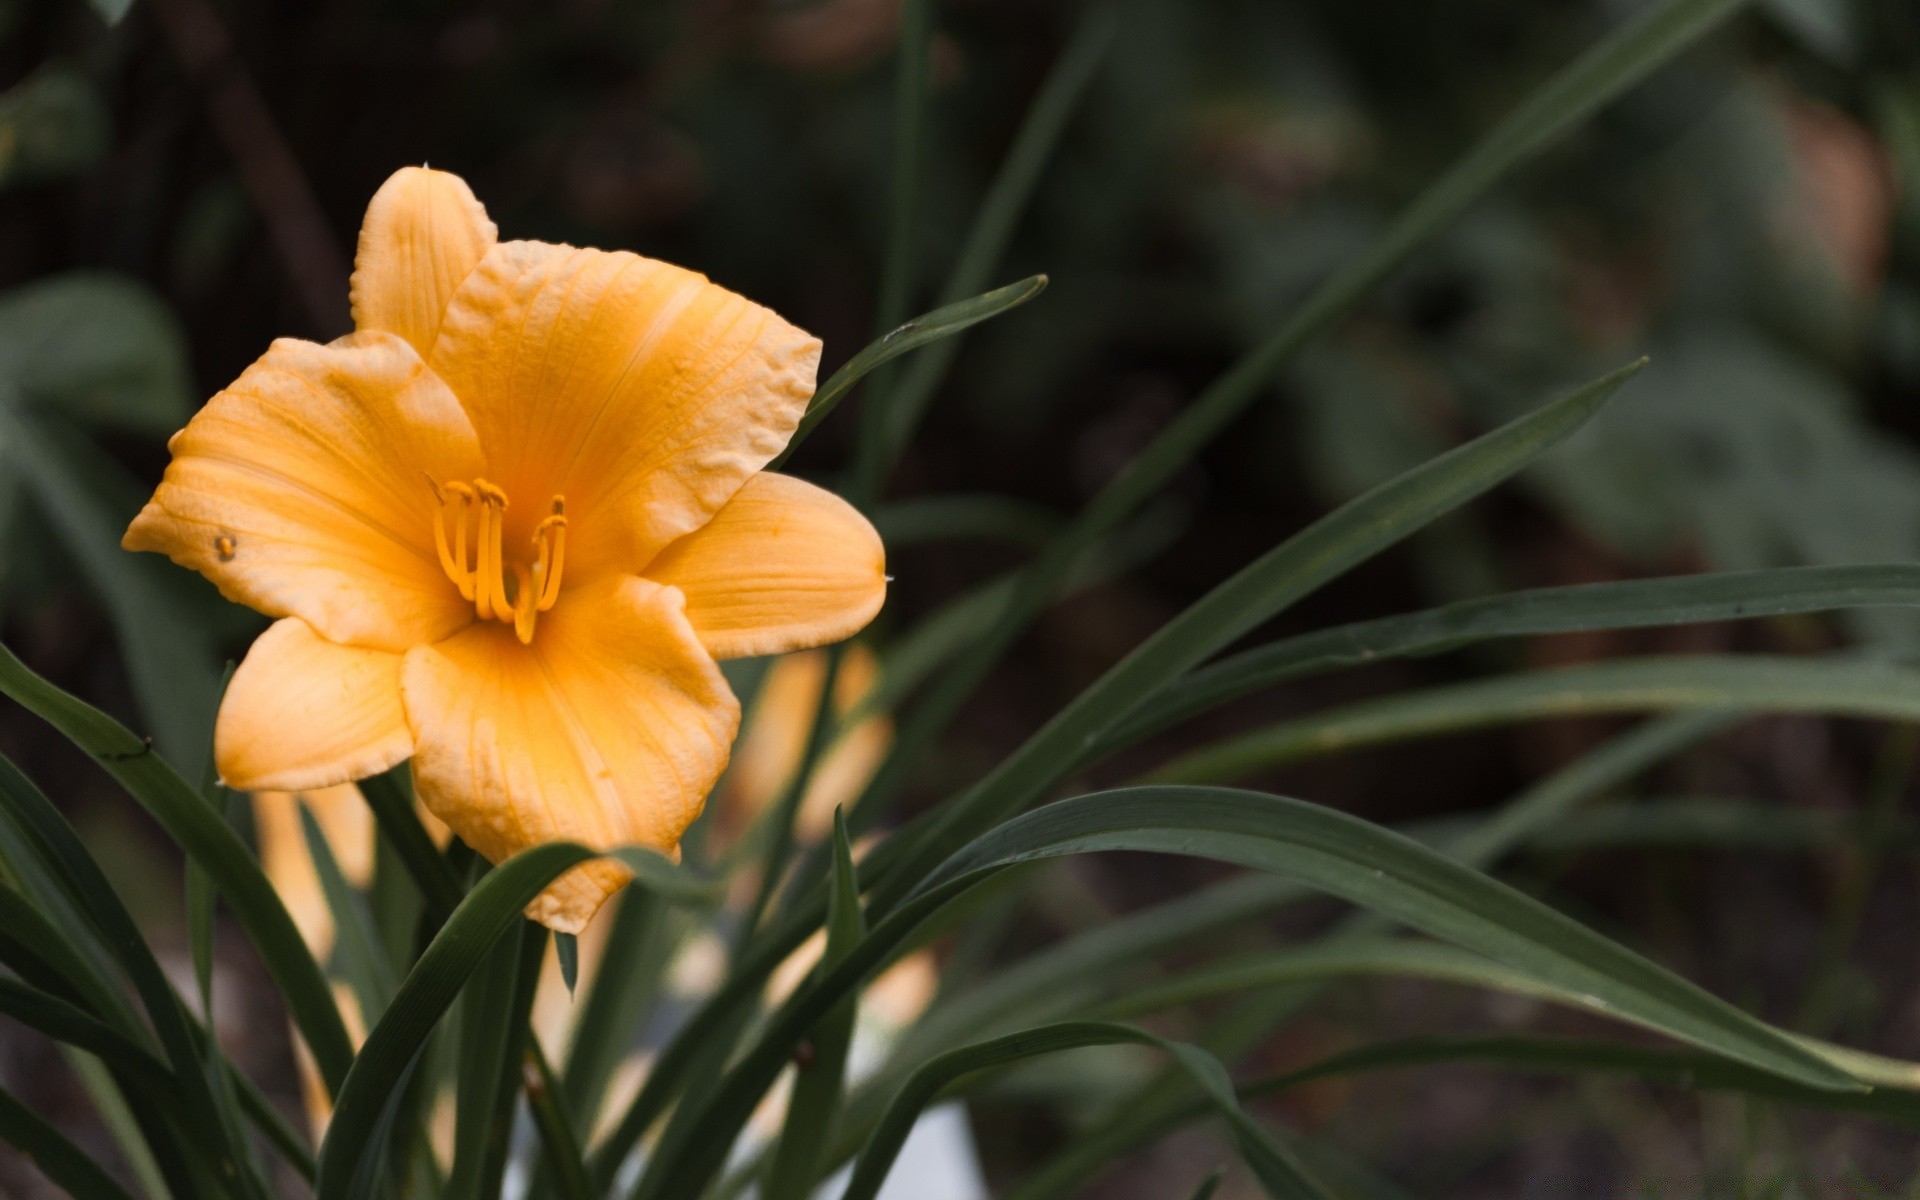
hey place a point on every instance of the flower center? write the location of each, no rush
(476, 514)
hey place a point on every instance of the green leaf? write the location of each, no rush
(64, 1022)
(357, 952)
(52, 125)
(1279, 1174)
(390, 797)
(206, 837)
(941, 323)
(1691, 1069)
(206, 1105)
(356, 1131)
(69, 1167)
(493, 1042)
(1012, 189)
(1748, 683)
(1605, 71)
(1631, 604)
(1403, 958)
(566, 948)
(1327, 548)
(98, 349)
(1141, 1114)
(632, 970)
(820, 1075)
(565, 1163)
(1209, 1186)
(171, 659)
(200, 893)
(1400, 879)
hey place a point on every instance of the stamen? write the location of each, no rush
(525, 609)
(551, 536)
(456, 566)
(484, 582)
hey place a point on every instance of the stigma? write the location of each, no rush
(469, 531)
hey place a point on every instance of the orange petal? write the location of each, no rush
(608, 729)
(785, 565)
(302, 491)
(304, 713)
(346, 823)
(642, 393)
(422, 236)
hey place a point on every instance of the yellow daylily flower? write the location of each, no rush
(508, 526)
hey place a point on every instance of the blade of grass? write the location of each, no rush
(200, 893)
(1748, 683)
(940, 324)
(206, 837)
(208, 1106)
(1630, 604)
(1280, 1175)
(1691, 1069)
(820, 1075)
(171, 660)
(1539, 808)
(565, 1161)
(68, 1166)
(395, 1041)
(1605, 71)
(900, 266)
(357, 947)
(1332, 852)
(1404, 881)
(1013, 186)
(1351, 535)
(493, 1043)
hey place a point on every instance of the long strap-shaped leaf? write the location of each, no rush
(206, 837)
(354, 1135)
(1749, 683)
(1602, 74)
(941, 323)
(1630, 604)
(87, 886)
(1410, 959)
(1275, 1167)
(1607, 70)
(68, 1166)
(1327, 548)
(1405, 881)
(1331, 852)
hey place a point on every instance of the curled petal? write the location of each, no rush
(302, 713)
(638, 390)
(608, 729)
(302, 490)
(784, 566)
(423, 234)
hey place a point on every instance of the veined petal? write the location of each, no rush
(303, 713)
(641, 392)
(783, 566)
(608, 729)
(303, 490)
(423, 234)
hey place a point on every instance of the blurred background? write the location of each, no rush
(184, 184)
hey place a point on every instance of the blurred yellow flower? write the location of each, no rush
(508, 526)
(775, 740)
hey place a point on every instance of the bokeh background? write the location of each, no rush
(181, 186)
